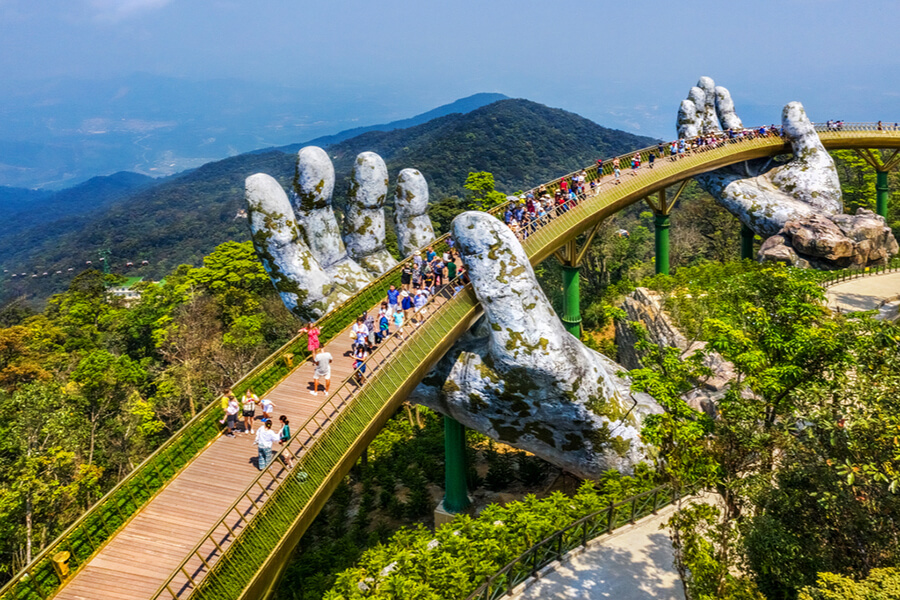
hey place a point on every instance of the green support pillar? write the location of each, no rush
(571, 316)
(882, 193)
(456, 493)
(662, 243)
(746, 242)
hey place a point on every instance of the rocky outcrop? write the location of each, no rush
(644, 307)
(298, 240)
(414, 229)
(766, 195)
(834, 241)
(521, 378)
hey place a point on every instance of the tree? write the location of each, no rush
(481, 193)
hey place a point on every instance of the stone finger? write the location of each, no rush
(414, 228)
(725, 109)
(364, 233)
(304, 287)
(811, 176)
(313, 187)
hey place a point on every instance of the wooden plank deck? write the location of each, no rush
(142, 556)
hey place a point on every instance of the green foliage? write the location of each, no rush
(881, 584)
(91, 386)
(803, 451)
(706, 554)
(453, 560)
(481, 193)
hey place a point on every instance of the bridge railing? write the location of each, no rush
(832, 278)
(576, 535)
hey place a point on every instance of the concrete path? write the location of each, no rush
(634, 563)
(877, 292)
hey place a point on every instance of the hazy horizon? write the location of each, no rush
(255, 73)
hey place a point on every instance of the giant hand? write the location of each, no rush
(298, 241)
(796, 204)
(521, 378)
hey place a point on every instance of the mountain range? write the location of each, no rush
(182, 218)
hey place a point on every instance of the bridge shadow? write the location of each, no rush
(618, 569)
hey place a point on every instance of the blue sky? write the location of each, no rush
(624, 64)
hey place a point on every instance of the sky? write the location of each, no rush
(624, 64)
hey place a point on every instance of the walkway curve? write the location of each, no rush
(329, 443)
(636, 562)
(876, 292)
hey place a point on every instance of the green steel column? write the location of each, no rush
(746, 242)
(456, 494)
(571, 316)
(882, 193)
(662, 243)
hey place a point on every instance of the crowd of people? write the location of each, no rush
(266, 435)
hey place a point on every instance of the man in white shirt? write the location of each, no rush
(265, 437)
(322, 371)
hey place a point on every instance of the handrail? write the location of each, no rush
(576, 534)
(272, 370)
(833, 278)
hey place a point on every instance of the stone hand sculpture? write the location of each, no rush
(297, 237)
(796, 204)
(521, 378)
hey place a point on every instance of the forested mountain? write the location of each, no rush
(183, 218)
(26, 207)
(462, 106)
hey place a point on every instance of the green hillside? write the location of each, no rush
(182, 219)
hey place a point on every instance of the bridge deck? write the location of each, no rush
(140, 557)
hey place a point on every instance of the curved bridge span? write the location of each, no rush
(198, 520)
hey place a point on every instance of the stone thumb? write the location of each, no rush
(524, 327)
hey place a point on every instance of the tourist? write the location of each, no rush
(267, 409)
(370, 325)
(616, 173)
(419, 302)
(429, 256)
(406, 275)
(248, 409)
(384, 325)
(405, 304)
(393, 298)
(312, 342)
(231, 411)
(359, 333)
(359, 364)
(451, 270)
(398, 320)
(284, 436)
(265, 437)
(651, 156)
(322, 371)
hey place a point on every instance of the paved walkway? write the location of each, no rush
(877, 292)
(634, 563)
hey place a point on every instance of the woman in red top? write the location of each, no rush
(312, 334)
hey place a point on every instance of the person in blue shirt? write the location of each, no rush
(393, 298)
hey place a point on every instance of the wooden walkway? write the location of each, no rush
(145, 553)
